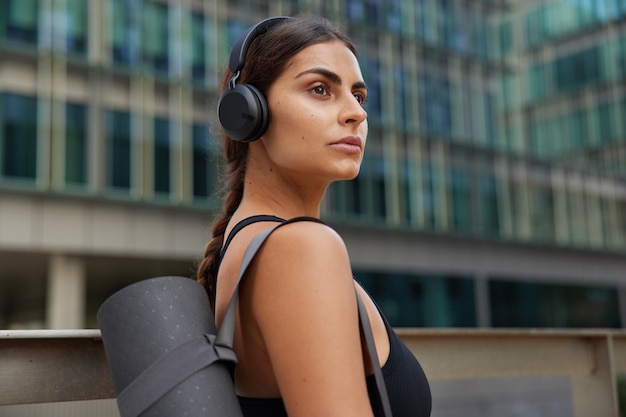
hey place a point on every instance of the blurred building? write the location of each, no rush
(492, 193)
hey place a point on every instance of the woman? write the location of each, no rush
(297, 336)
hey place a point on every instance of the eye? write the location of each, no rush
(320, 90)
(360, 97)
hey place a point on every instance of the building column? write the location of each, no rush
(65, 304)
(483, 301)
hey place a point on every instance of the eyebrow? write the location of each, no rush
(332, 76)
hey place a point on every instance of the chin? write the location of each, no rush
(352, 174)
(345, 172)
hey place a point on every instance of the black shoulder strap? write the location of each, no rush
(226, 332)
(371, 348)
(245, 222)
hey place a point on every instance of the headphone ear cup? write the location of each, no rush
(243, 113)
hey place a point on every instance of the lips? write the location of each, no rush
(350, 142)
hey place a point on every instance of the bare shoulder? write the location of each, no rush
(307, 238)
(301, 260)
(306, 249)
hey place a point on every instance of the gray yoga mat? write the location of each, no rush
(161, 360)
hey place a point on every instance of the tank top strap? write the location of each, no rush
(240, 225)
(263, 218)
(245, 222)
(303, 219)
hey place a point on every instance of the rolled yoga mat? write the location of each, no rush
(157, 336)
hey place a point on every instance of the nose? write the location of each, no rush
(352, 111)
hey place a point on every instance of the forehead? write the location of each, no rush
(333, 55)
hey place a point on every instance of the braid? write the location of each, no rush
(207, 269)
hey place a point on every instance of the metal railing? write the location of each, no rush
(41, 366)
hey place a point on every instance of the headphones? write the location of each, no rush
(242, 109)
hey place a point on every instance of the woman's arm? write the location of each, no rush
(303, 300)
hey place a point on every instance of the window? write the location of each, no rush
(529, 304)
(140, 34)
(448, 24)
(125, 31)
(376, 171)
(604, 122)
(532, 26)
(76, 26)
(198, 45)
(407, 190)
(19, 20)
(578, 69)
(537, 81)
(411, 300)
(162, 156)
(427, 21)
(64, 26)
(435, 106)
(508, 91)
(577, 121)
(355, 9)
(534, 136)
(234, 29)
(489, 215)
(354, 205)
(155, 37)
(461, 26)
(344, 199)
(205, 168)
(18, 141)
(75, 143)
(460, 199)
(118, 150)
(620, 55)
(373, 12)
(393, 15)
(431, 192)
(401, 90)
(479, 33)
(491, 118)
(506, 38)
(335, 199)
(620, 6)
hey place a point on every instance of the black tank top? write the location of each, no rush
(407, 386)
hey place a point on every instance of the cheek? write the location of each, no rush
(295, 124)
(282, 118)
(294, 119)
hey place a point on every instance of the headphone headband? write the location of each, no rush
(238, 54)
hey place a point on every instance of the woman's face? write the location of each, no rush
(318, 126)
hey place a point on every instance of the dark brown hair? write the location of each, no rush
(266, 59)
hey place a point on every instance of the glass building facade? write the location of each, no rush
(491, 121)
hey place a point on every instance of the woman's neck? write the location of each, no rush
(278, 203)
(273, 195)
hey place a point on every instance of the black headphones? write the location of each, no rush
(242, 109)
